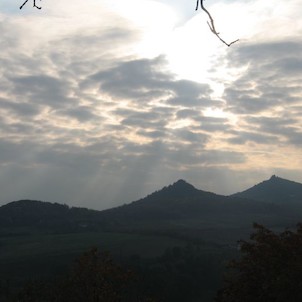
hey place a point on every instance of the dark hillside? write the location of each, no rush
(182, 200)
(178, 208)
(179, 237)
(275, 189)
(182, 209)
(45, 215)
(177, 204)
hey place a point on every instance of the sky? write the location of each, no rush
(103, 102)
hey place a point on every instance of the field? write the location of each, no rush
(25, 254)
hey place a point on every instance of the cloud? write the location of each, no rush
(267, 92)
(288, 129)
(132, 79)
(243, 137)
(82, 114)
(19, 109)
(79, 129)
(41, 89)
(85, 119)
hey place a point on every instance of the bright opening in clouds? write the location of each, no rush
(103, 102)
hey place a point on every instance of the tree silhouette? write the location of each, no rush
(270, 268)
(95, 278)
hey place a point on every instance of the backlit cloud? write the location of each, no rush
(92, 115)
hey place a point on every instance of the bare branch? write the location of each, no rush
(34, 4)
(212, 25)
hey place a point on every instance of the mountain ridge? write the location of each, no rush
(178, 201)
(275, 189)
(181, 188)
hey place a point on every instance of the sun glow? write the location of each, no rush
(190, 50)
(216, 112)
(154, 20)
(188, 47)
(178, 124)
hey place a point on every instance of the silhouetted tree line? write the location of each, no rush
(95, 277)
(180, 274)
(269, 270)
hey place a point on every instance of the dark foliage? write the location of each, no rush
(95, 277)
(180, 274)
(270, 269)
(183, 274)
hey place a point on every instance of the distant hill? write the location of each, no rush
(275, 189)
(183, 211)
(45, 215)
(182, 200)
(39, 239)
(179, 207)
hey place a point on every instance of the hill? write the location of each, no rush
(182, 211)
(275, 189)
(46, 216)
(181, 200)
(177, 208)
(39, 239)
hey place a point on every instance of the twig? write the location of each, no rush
(34, 4)
(212, 25)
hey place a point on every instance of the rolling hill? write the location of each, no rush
(179, 208)
(275, 189)
(39, 239)
(181, 200)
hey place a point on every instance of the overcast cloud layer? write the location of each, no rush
(90, 116)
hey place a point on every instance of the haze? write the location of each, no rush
(102, 103)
